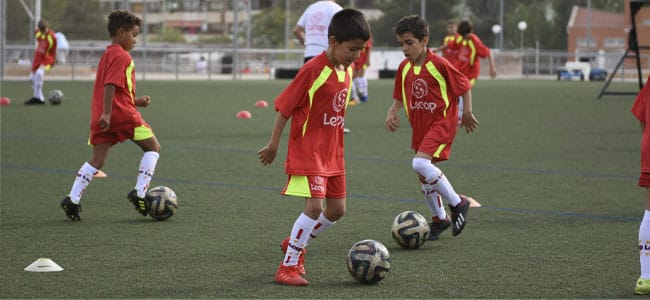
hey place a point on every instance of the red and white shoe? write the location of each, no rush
(288, 275)
(301, 260)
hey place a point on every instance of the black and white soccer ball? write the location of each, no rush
(410, 230)
(368, 261)
(162, 202)
(55, 97)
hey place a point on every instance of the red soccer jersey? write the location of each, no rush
(641, 110)
(363, 61)
(451, 51)
(45, 52)
(316, 101)
(469, 51)
(116, 67)
(430, 96)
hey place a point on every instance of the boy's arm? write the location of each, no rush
(493, 71)
(268, 152)
(299, 32)
(392, 117)
(105, 117)
(468, 121)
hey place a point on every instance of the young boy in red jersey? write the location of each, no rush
(641, 110)
(114, 117)
(44, 58)
(359, 80)
(448, 47)
(316, 101)
(469, 49)
(427, 87)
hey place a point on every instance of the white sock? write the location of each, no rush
(362, 86)
(354, 95)
(436, 179)
(644, 245)
(37, 83)
(434, 202)
(299, 237)
(321, 225)
(145, 172)
(460, 109)
(84, 176)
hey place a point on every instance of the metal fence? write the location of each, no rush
(179, 62)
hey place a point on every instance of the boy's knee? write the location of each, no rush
(334, 215)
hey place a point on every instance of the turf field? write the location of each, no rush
(554, 168)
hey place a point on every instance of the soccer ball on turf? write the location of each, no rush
(162, 202)
(410, 229)
(368, 261)
(55, 97)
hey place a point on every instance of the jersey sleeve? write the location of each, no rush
(638, 109)
(397, 89)
(294, 93)
(116, 70)
(457, 81)
(481, 49)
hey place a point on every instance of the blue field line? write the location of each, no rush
(406, 162)
(352, 196)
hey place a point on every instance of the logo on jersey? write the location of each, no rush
(338, 103)
(419, 88)
(317, 22)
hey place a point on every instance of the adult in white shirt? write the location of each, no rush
(311, 29)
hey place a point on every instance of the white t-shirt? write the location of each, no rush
(315, 20)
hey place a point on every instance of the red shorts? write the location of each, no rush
(644, 179)
(318, 187)
(115, 136)
(439, 152)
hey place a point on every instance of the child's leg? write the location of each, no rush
(88, 170)
(434, 202)
(334, 210)
(362, 86)
(151, 149)
(302, 228)
(644, 239)
(37, 83)
(435, 179)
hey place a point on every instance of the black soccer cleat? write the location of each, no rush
(437, 227)
(71, 210)
(459, 215)
(140, 204)
(33, 101)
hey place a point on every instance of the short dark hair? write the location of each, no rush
(42, 25)
(464, 27)
(349, 24)
(413, 24)
(122, 19)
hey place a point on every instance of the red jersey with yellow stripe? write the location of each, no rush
(430, 94)
(363, 61)
(316, 101)
(45, 52)
(641, 110)
(451, 51)
(116, 67)
(469, 50)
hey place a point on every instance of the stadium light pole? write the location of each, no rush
(496, 29)
(522, 27)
